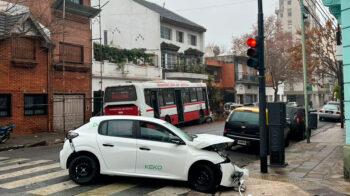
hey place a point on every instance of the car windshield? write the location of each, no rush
(245, 116)
(178, 132)
(330, 107)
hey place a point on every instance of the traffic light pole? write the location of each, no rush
(262, 93)
(306, 102)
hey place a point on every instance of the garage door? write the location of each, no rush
(73, 112)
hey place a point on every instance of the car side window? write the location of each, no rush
(117, 128)
(154, 132)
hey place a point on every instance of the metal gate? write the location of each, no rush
(72, 114)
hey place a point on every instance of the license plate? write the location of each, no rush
(242, 142)
(329, 112)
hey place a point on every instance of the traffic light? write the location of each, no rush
(252, 52)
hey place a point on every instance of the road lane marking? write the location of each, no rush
(3, 158)
(12, 161)
(170, 190)
(23, 165)
(29, 171)
(32, 180)
(108, 190)
(55, 188)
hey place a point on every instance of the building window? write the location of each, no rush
(23, 48)
(71, 53)
(35, 105)
(179, 36)
(77, 1)
(165, 33)
(169, 60)
(289, 2)
(5, 105)
(281, 15)
(105, 37)
(192, 40)
(289, 12)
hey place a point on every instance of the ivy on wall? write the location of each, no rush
(122, 56)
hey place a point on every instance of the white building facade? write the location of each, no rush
(176, 43)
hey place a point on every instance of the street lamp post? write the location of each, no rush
(305, 72)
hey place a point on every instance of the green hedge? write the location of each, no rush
(118, 56)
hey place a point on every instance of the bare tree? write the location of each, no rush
(320, 53)
(277, 58)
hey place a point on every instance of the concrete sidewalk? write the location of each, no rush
(40, 139)
(316, 168)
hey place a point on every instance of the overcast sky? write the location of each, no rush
(222, 18)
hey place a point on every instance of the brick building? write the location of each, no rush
(238, 81)
(58, 83)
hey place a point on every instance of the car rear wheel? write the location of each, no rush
(83, 169)
(203, 178)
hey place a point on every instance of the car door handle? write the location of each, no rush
(145, 148)
(108, 145)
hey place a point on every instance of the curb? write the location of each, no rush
(36, 144)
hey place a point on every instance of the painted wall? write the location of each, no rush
(345, 15)
(129, 25)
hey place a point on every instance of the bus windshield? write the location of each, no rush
(121, 93)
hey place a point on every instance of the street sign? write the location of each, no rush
(309, 88)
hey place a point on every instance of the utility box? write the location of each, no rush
(313, 120)
(277, 125)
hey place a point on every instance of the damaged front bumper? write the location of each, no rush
(233, 176)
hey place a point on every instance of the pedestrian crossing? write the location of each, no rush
(22, 176)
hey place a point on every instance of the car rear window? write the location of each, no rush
(121, 93)
(330, 107)
(245, 116)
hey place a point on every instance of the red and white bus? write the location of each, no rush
(173, 101)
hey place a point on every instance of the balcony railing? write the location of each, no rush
(246, 78)
(199, 69)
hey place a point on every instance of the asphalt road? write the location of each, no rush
(35, 171)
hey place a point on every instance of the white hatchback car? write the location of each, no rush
(148, 147)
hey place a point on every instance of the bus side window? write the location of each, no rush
(193, 95)
(169, 97)
(160, 97)
(186, 96)
(200, 94)
(148, 97)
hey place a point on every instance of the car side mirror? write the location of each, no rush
(177, 141)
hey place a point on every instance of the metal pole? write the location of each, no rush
(305, 72)
(340, 81)
(101, 60)
(63, 68)
(262, 93)
(341, 88)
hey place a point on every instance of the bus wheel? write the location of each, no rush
(167, 118)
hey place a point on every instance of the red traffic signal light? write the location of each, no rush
(251, 42)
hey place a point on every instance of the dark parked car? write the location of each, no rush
(242, 125)
(295, 117)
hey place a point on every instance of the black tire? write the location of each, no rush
(83, 169)
(321, 119)
(204, 178)
(167, 118)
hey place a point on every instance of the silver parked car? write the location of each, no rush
(329, 112)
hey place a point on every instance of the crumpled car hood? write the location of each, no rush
(205, 140)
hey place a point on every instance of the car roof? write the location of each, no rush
(251, 109)
(123, 117)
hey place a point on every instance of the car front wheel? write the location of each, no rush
(204, 178)
(83, 169)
